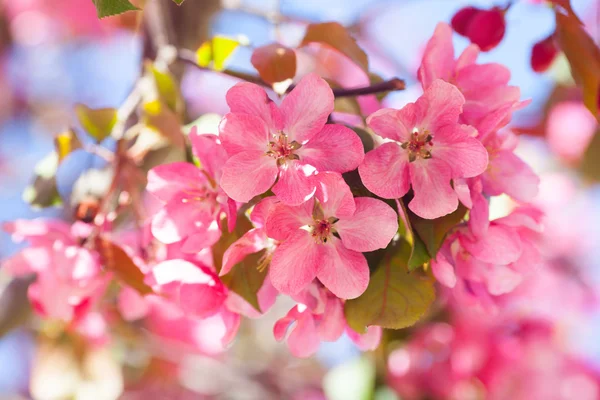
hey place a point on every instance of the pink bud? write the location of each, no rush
(543, 54)
(462, 19)
(486, 28)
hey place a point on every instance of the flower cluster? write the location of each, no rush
(269, 207)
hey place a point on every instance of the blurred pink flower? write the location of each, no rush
(570, 128)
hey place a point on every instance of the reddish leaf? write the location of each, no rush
(335, 35)
(583, 56)
(115, 259)
(274, 62)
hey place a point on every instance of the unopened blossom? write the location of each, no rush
(319, 317)
(289, 143)
(69, 278)
(193, 201)
(427, 147)
(543, 54)
(484, 28)
(484, 86)
(324, 238)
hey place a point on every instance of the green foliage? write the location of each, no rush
(246, 278)
(42, 192)
(418, 254)
(274, 63)
(216, 52)
(99, 122)
(107, 8)
(433, 231)
(395, 298)
(167, 87)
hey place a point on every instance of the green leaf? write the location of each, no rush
(334, 34)
(418, 254)
(179, 2)
(246, 279)
(168, 90)
(242, 226)
(216, 51)
(99, 122)
(590, 164)
(395, 297)
(433, 231)
(65, 143)
(106, 8)
(43, 192)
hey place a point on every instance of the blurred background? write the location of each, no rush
(56, 53)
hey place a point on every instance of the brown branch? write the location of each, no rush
(394, 84)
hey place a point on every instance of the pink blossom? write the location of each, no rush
(318, 317)
(68, 276)
(486, 259)
(193, 201)
(426, 148)
(325, 238)
(484, 86)
(570, 128)
(507, 173)
(291, 142)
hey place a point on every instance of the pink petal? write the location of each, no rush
(393, 124)
(335, 148)
(443, 271)
(296, 184)
(466, 155)
(463, 192)
(344, 272)
(479, 217)
(166, 180)
(248, 98)
(201, 300)
(251, 242)
(261, 211)
(501, 279)
(39, 230)
(283, 221)
(248, 174)
(178, 220)
(438, 58)
(368, 341)
(131, 304)
(204, 237)
(434, 196)
(333, 321)
(441, 105)
(499, 246)
(179, 271)
(508, 174)
(467, 57)
(372, 226)
(27, 261)
(306, 109)
(211, 154)
(232, 322)
(295, 263)
(334, 195)
(385, 171)
(242, 133)
(304, 339)
(281, 325)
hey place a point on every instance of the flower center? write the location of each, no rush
(202, 197)
(419, 145)
(322, 229)
(282, 150)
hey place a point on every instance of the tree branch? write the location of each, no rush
(394, 84)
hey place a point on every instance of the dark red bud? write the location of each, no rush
(486, 28)
(543, 54)
(462, 19)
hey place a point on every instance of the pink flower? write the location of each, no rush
(324, 238)
(318, 317)
(486, 258)
(570, 129)
(507, 173)
(484, 86)
(291, 142)
(68, 277)
(485, 28)
(426, 148)
(193, 200)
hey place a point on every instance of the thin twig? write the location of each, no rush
(394, 84)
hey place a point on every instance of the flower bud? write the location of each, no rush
(485, 28)
(462, 19)
(543, 54)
